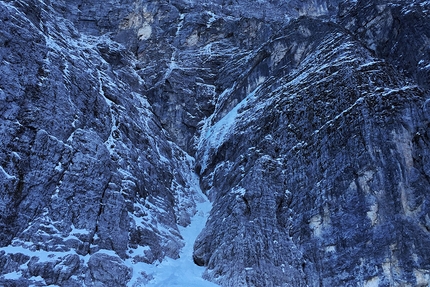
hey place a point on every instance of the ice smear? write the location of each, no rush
(214, 136)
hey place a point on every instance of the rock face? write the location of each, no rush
(332, 178)
(308, 122)
(85, 163)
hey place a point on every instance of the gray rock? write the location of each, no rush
(54, 272)
(11, 262)
(392, 29)
(320, 158)
(106, 270)
(84, 162)
(307, 119)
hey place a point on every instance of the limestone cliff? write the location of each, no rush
(305, 123)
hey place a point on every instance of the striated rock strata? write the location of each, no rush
(307, 123)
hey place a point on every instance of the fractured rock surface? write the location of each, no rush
(308, 122)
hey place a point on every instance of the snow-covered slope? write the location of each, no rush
(182, 271)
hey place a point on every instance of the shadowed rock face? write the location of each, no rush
(324, 160)
(392, 30)
(85, 163)
(308, 121)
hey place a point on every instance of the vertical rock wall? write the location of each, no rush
(308, 121)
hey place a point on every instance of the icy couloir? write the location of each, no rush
(307, 119)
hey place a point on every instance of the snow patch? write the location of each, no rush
(240, 191)
(6, 175)
(211, 19)
(13, 275)
(43, 255)
(144, 32)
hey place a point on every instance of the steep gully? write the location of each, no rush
(306, 121)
